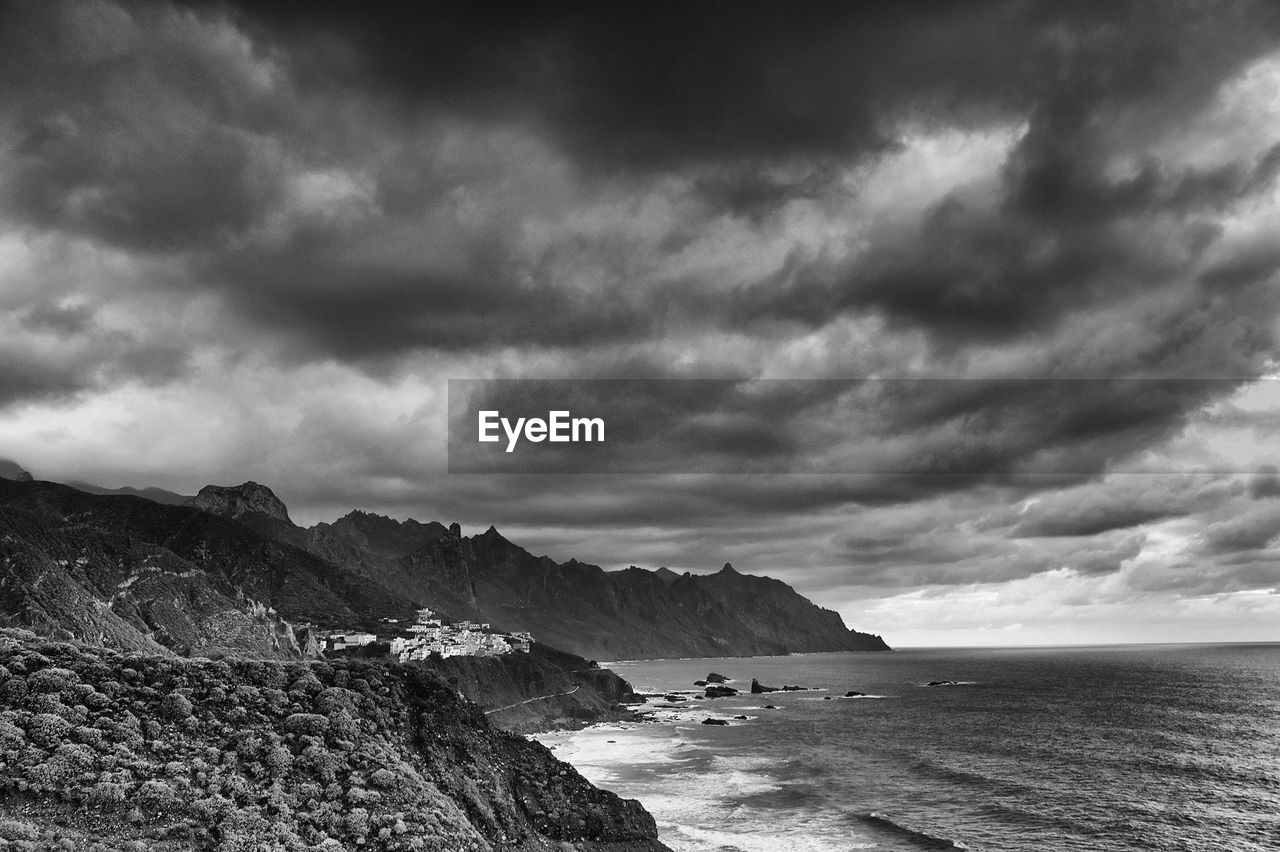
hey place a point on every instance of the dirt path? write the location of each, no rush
(531, 700)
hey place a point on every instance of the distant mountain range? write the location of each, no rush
(229, 571)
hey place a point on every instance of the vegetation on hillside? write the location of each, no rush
(107, 751)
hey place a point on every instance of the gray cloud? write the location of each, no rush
(296, 220)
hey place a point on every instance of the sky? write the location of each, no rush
(255, 241)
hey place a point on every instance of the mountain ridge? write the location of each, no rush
(364, 567)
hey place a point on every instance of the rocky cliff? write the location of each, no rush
(541, 690)
(621, 614)
(135, 752)
(572, 605)
(365, 567)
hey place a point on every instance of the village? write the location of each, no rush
(430, 635)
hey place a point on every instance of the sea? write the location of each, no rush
(1154, 747)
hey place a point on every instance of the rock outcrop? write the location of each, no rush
(239, 501)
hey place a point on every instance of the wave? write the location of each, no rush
(922, 839)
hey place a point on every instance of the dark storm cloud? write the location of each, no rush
(130, 130)
(657, 82)
(1091, 522)
(162, 136)
(402, 191)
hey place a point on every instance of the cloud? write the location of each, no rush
(254, 240)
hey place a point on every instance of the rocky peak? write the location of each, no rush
(236, 501)
(11, 470)
(728, 569)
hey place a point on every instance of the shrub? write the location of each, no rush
(278, 761)
(156, 794)
(12, 737)
(11, 829)
(89, 736)
(48, 730)
(307, 723)
(344, 725)
(336, 698)
(176, 706)
(13, 690)
(106, 793)
(308, 684)
(96, 701)
(384, 779)
(51, 680)
(47, 702)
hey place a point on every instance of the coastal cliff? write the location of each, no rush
(542, 690)
(627, 614)
(143, 752)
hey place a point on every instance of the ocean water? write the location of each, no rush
(1032, 750)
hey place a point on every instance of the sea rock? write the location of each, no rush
(716, 678)
(699, 683)
(853, 693)
(786, 688)
(941, 683)
(740, 717)
(721, 692)
(710, 721)
(675, 698)
(770, 707)
(757, 687)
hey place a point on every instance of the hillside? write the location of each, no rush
(540, 690)
(72, 560)
(574, 606)
(235, 551)
(105, 751)
(621, 614)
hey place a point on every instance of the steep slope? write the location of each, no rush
(573, 605)
(370, 544)
(77, 582)
(11, 470)
(140, 752)
(296, 584)
(625, 614)
(540, 690)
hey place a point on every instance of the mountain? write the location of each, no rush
(183, 577)
(108, 751)
(573, 606)
(73, 580)
(628, 614)
(158, 495)
(370, 544)
(180, 576)
(11, 470)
